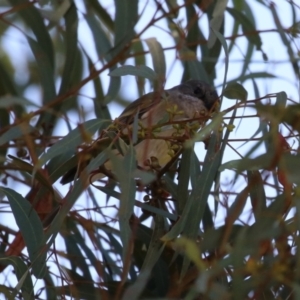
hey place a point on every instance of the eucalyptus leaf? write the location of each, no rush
(31, 229)
(140, 71)
(72, 140)
(235, 91)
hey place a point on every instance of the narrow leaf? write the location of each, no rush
(102, 42)
(16, 132)
(183, 179)
(31, 228)
(45, 70)
(140, 71)
(235, 90)
(125, 20)
(247, 27)
(257, 192)
(225, 47)
(158, 58)
(124, 168)
(34, 20)
(216, 21)
(72, 140)
(9, 101)
(23, 276)
(195, 207)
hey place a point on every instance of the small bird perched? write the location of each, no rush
(161, 122)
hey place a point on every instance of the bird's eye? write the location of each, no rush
(198, 91)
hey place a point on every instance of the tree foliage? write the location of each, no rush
(219, 223)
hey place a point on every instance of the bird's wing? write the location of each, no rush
(140, 106)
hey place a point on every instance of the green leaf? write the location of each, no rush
(196, 70)
(225, 47)
(81, 242)
(183, 179)
(70, 74)
(192, 67)
(79, 288)
(77, 259)
(238, 282)
(33, 19)
(257, 192)
(100, 109)
(193, 33)
(266, 225)
(251, 164)
(252, 75)
(16, 132)
(70, 40)
(23, 276)
(113, 89)
(213, 237)
(124, 170)
(70, 199)
(289, 164)
(56, 14)
(285, 40)
(144, 206)
(135, 290)
(156, 247)
(102, 42)
(216, 21)
(140, 71)
(194, 209)
(235, 91)
(45, 70)
(237, 206)
(7, 85)
(205, 132)
(247, 27)
(103, 14)
(31, 228)
(158, 59)
(279, 114)
(72, 140)
(125, 19)
(49, 286)
(27, 167)
(116, 245)
(9, 101)
(137, 49)
(61, 164)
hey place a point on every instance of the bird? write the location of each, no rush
(161, 122)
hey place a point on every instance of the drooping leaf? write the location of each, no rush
(235, 91)
(31, 228)
(23, 276)
(158, 59)
(216, 21)
(124, 171)
(247, 27)
(140, 71)
(15, 132)
(34, 20)
(125, 19)
(257, 193)
(72, 140)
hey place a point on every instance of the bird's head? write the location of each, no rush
(200, 90)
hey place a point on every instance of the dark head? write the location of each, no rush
(199, 89)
